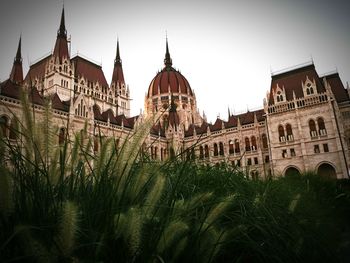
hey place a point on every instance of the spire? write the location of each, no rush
(118, 75)
(117, 60)
(167, 61)
(61, 46)
(173, 116)
(17, 70)
(62, 32)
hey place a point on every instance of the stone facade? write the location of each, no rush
(304, 124)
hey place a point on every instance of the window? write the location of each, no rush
(316, 149)
(206, 151)
(13, 130)
(249, 161)
(312, 127)
(267, 159)
(264, 141)
(237, 149)
(256, 160)
(231, 147)
(289, 132)
(284, 154)
(325, 148)
(221, 148)
(247, 144)
(61, 136)
(321, 126)
(95, 144)
(253, 140)
(281, 134)
(216, 152)
(201, 152)
(292, 152)
(238, 163)
(4, 126)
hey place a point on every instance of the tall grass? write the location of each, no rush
(66, 203)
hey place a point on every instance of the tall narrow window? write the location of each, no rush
(216, 152)
(4, 126)
(221, 148)
(253, 140)
(13, 130)
(312, 127)
(231, 147)
(237, 148)
(61, 136)
(281, 136)
(206, 151)
(247, 144)
(201, 152)
(289, 132)
(321, 126)
(264, 141)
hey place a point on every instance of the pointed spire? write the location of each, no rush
(62, 32)
(117, 60)
(18, 57)
(167, 61)
(118, 74)
(61, 46)
(16, 74)
(228, 111)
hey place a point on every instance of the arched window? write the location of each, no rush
(307, 91)
(216, 152)
(201, 152)
(311, 90)
(281, 136)
(247, 144)
(237, 148)
(206, 151)
(61, 136)
(4, 126)
(13, 130)
(221, 148)
(289, 132)
(321, 126)
(312, 127)
(264, 141)
(152, 154)
(231, 147)
(161, 154)
(253, 140)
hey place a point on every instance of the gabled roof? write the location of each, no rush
(291, 81)
(10, 89)
(89, 70)
(340, 93)
(37, 69)
(157, 129)
(58, 104)
(216, 126)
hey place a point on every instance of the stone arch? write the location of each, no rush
(291, 171)
(326, 170)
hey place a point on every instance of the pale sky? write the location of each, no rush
(225, 49)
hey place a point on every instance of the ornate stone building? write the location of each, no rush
(304, 124)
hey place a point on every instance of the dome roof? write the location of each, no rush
(169, 80)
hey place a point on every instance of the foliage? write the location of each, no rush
(65, 203)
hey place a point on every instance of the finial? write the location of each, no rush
(167, 61)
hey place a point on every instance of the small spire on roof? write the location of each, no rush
(16, 74)
(228, 111)
(167, 61)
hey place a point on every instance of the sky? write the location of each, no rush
(226, 49)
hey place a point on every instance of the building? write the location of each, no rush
(304, 124)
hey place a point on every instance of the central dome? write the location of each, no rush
(169, 81)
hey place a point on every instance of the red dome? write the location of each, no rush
(169, 81)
